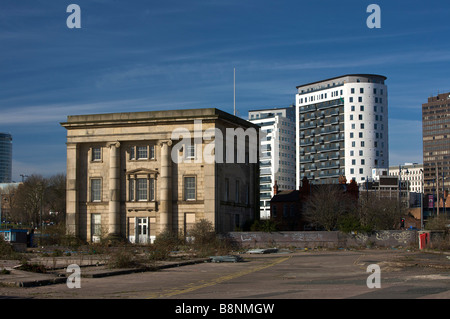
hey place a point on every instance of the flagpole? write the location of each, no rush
(234, 90)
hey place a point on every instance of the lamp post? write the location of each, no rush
(421, 199)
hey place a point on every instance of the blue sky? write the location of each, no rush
(155, 55)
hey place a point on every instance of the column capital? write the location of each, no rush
(115, 144)
(168, 142)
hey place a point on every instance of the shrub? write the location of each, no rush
(121, 258)
(164, 243)
(7, 251)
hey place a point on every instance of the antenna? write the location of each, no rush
(234, 90)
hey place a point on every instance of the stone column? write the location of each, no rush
(114, 189)
(72, 221)
(165, 186)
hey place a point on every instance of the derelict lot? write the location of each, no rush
(335, 274)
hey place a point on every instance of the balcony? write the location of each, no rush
(305, 126)
(305, 109)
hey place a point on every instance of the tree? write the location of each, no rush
(37, 196)
(327, 205)
(380, 213)
(56, 196)
(7, 201)
(29, 200)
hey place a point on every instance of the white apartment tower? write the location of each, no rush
(277, 160)
(341, 128)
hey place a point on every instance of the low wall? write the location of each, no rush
(324, 239)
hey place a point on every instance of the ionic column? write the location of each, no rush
(165, 208)
(114, 189)
(72, 220)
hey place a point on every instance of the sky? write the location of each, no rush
(159, 55)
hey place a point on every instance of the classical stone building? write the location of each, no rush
(135, 174)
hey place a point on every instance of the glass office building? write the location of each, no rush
(5, 157)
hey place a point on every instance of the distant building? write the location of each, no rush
(436, 146)
(342, 128)
(122, 178)
(411, 174)
(288, 207)
(5, 158)
(277, 162)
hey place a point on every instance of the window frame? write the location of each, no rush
(93, 190)
(186, 190)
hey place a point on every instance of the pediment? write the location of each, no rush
(142, 171)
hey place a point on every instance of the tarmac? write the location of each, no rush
(59, 273)
(95, 267)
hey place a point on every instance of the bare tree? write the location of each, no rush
(380, 213)
(326, 205)
(56, 197)
(7, 201)
(29, 200)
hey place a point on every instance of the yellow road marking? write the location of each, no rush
(203, 284)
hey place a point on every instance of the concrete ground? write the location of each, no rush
(334, 274)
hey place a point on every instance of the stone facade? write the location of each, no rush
(122, 178)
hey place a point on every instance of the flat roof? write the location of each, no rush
(272, 109)
(154, 117)
(343, 76)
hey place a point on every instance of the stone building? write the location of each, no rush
(136, 174)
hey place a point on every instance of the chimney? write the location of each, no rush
(275, 188)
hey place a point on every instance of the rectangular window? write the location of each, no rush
(151, 183)
(96, 153)
(361, 90)
(360, 99)
(132, 153)
(236, 197)
(141, 189)
(96, 224)
(131, 190)
(152, 151)
(190, 151)
(142, 152)
(96, 190)
(189, 188)
(361, 108)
